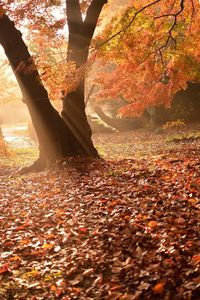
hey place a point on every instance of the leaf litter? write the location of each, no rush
(116, 229)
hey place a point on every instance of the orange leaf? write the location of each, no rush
(53, 288)
(50, 236)
(24, 242)
(57, 291)
(116, 287)
(76, 290)
(114, 203)
(127, 218)
(152, 224)
(196, 259)
(103, 200)
(4, 269)
(83, 230)
(19, 228)
(15, 258)
(48, 246)
(159, 288)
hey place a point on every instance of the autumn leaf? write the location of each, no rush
(159, 288)
(48, 246)
(33, 273)
(152, 224)
(83, 230)
(15, 258)
(4, 269)
(196, 259)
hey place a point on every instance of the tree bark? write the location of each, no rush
(54, 136)
(109, 121)
(80, 35)
(119, 124)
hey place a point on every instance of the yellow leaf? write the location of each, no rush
(48, 246)
(33, 273)
(24, 242)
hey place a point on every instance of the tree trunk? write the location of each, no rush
(119, 124)
(55, 138)
(80, 35)
(115, 123)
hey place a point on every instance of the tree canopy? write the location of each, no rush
(154, 41)
(154, 47)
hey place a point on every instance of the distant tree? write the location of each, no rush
(9, 90)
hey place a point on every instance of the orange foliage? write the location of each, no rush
(153, 45)
(155, 52)
(43, 24)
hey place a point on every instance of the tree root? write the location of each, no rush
(38, 166)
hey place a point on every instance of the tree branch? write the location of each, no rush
(92, 16)
(74, 17)
(170, 36)
(193, 12)
(131, 21)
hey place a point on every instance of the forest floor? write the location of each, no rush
(125, 228)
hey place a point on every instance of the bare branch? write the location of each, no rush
(170, 36)
(92, 16)
(193, 12)
(163, 16)
(193, 7)
(130, 23)
(74, 17)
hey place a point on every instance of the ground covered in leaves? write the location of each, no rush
(125, 228)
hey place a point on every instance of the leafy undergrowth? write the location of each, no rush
(116, 229)
(144, 143)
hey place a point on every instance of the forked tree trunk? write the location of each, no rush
(80, 35)
(56, 140)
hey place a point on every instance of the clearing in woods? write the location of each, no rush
(126, 227)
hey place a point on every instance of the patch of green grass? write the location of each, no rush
(100, 149)
(184, 137)
(25, 151)
(19, 157)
